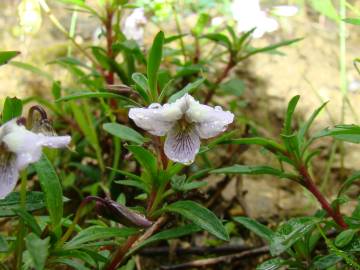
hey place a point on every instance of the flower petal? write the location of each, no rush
(54, 141)
(157, 119)
(210, 122)
(182, 145)
(8, 172)
(28, 145)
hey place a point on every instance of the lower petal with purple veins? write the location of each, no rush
(182, 144)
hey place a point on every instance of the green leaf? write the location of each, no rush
(38, 249)
(292, 144)
(201, 216)
(5, 57)
(325, 7)
(123, 132)
(50, 185)
(352, 21)
(154, 60)
(4, 246)
(290, 232)
(305, 127)
(96, 233)
(147, 160)
(271, 145)
(202, 21)
(287, 130)
(348, 182)
(189, 88)
(325, 262)
(348, 133)
(32, 69)
(29, 220)
(243, 169)
(141, 85)
(173, 38)
(134, 183)
(256, 227)
(167, 234)
(71, 263)
(252, 51)
(344, 238)
(12, 109)
(235, 87)
(272, 264)
(34, 200)
(82, 95)
(219, 38)
(82, 255)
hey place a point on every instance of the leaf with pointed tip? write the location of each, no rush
(154, 60)
(256, 227)
(5, 57)
(124, 133)
(12, 109)
(201, 216)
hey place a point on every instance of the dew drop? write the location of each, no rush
(155, 106)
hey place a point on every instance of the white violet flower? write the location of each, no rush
(248, 15)
(184, 122)
(20, 147)
(134, 25)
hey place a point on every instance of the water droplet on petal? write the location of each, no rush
(155, 106)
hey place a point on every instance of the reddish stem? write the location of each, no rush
(120, 253)
(109, 39)
(222, 76)
(310, 185)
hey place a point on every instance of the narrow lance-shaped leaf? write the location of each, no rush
(123, 132)
(141, 85)
(348, 133)
(96, 233)
(154, 60)
(253, 51)
(34, 200)
(305, 127)
(348, 182)
(50, 185)
(256, 227)
(219, 38)
(287, 130)
(7, 56)
(189, 88)
(146, 159)
(266, 143)
(12, 109)
(85, 94)
(244, 169)
(201, 216)
(38, 249)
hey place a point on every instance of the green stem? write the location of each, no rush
(59, 26)
(72, 31)
(178, 28)
(71, 228)
(21, 233)
(328, 166)
(342, 61)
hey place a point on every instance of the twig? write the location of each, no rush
(222, 76)
(123, 251)
(165, 250)
(221, 259)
